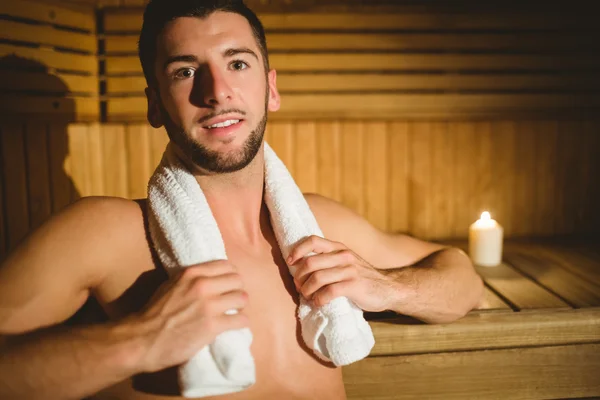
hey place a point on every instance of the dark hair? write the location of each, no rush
(160, 12)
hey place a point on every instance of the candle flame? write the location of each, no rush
(485, 216)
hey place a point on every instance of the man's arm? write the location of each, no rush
(49, 277)
(42, 283)
(428, 281)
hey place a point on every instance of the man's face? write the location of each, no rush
(210, 71)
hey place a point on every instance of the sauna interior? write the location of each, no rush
(418, 115)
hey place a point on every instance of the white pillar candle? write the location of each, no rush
(485, 241)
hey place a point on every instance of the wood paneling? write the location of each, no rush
(533, 373)
(131, 21)
(428, 179)
(475, 331)
(432, 64)
(15, 183)
(38, 180)
(48, 63)
(49, 14)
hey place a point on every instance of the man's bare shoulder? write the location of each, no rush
(51, 273)
(84, 236)
(337, 221)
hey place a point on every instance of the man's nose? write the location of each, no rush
(213, 88)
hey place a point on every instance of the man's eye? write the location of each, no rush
(239, 65)
(184, 73)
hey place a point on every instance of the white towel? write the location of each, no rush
(184, 232)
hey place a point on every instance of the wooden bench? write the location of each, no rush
(537, 335)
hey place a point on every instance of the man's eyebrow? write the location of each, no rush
(191, 58)
(181, 58)
(232, 52)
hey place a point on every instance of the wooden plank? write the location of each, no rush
(51, 14)
(53, 59)
(306, 160)
(15, 183)
(504, 137)
(376, 174)
(329, 150)
(78, 157)
(401, 41)
(397, 21)
(441, 223)
(19, 106)
(48, 35)
(138, 155)
(353, 106)
(61, 185)
(38, 179)
(546, 137)
(593, 132)
(589, 193)
(96, 165)
(491, 301)
(519, 290)
(577, 291)
(115, 161)
(473, 332)
(59, 84)
(281, 139)
(525, 177)
(304, 62)
(116, 20)
(484, 195)
(567, 177)
(568, 372)
(516, 288)
(420, 179)
(348, 82)
(353, 166)
(127, 21)
(3, 233)
(465, 138)
(399, 184)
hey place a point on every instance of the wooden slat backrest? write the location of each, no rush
(49, 14)
(423, 65)
(49, 63)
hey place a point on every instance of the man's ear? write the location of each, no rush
(274, 98)
(154, 113)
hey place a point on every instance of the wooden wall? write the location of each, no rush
(48, 63)
(417, 120)
(399, 65)
(430, 179)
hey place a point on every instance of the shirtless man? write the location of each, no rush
(202, 69)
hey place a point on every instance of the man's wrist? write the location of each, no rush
(403, 291)
(130, 346)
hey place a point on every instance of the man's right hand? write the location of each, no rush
(188, 312)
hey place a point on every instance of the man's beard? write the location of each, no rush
(214, 161)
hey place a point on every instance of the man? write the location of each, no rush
(209, 84)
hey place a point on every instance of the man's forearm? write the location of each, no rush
(67, 363)
(439, 288)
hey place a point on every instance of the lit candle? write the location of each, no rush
(485, 241)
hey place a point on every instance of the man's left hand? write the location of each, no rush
(336, 271)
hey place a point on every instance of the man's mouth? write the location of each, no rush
(224, 124)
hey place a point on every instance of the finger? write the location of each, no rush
(235, 300)
(212, 268)
(323, 278)
(217, 285)
(312, 244)
(311, 264)
(330, 292)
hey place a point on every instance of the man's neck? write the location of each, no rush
(236, 201)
